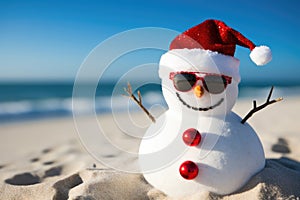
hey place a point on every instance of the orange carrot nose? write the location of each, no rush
(198, 91)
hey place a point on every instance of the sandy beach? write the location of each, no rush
(45, 159)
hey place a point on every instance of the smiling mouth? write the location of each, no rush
(199, 108)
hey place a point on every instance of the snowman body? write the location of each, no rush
(229, 153)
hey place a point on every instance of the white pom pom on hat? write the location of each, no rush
(261, 55)
(216, 36)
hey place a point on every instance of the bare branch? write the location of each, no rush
(140, 97)
(254, 104)
(270, 94)
(128, 90)
(255, 108)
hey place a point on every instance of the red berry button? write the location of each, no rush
(191, 137)
(188, 170)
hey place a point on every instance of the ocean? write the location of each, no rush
(30, 101)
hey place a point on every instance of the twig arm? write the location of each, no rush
(270, 94)
(128, 90)
(255, 108)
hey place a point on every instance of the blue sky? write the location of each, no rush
(48, 40)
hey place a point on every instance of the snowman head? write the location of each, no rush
(199, 81)
(200, 74)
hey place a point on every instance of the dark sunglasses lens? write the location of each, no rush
(214, 84)
(184, 81)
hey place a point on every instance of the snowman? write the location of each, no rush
(199, 144)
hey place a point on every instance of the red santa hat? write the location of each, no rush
(215, 35)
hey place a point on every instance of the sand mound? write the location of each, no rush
(280, 179)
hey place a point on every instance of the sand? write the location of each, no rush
(45, 159)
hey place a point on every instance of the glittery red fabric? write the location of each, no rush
(212, 35)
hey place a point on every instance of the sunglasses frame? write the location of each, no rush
(226, 78)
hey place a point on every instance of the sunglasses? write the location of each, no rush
(213, 83)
